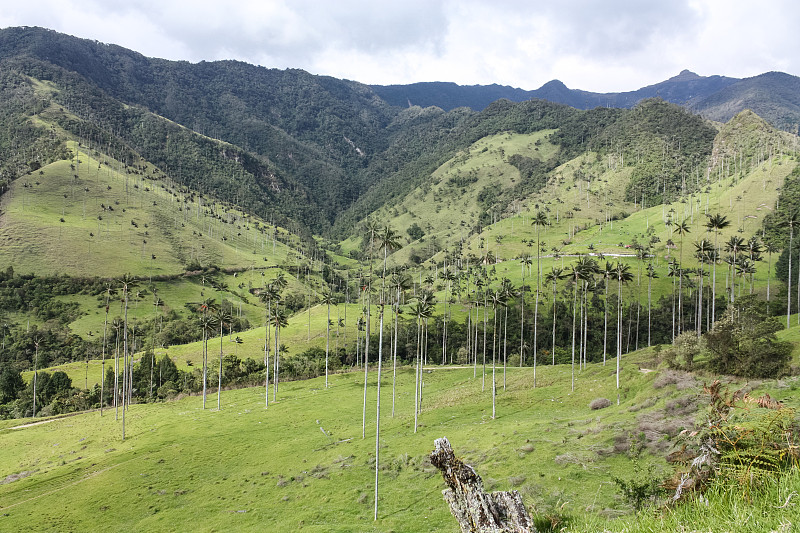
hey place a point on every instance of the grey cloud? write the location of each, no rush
(619, 28)
(301, 30)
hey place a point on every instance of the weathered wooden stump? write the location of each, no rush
(475, 510)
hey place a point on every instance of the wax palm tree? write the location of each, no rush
(449, 277)
(771, 248)
(651, 275)
(482, 299)
(371, 231)
(524, 262)
(754, 251)
(715, 223)
(589, 285)
(790, 221)
(673, 271)
(704, 252)
(681, 229)
(747, 268)
(222, 317)
(474, 301)
(116, 324)
(593, 288)
(207, 326)
(430, 301)
(607, 273)
(498, 299)
(539, 220)
(327, 300)
(389, 240)
(422, 310)
(575, 275)
(507, 292)
(126, 282)
(36, 342)
(623, 276)
(268, 294)
(279, 321)
(360, 326)
(555, 274)
(580, 273)
(401, 283)
(157, 304)
(641, 255)
(105, 330)
(733, 246)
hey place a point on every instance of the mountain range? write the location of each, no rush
(772, 95)
(314, 153)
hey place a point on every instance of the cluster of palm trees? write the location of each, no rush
(476, 286)
(213, 318)
(586, 278)
(278, 318)
(741, 263)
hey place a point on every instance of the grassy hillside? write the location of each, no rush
(584, 201)
(91, 215)
(302, 464)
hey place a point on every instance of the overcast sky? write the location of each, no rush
(595, 45)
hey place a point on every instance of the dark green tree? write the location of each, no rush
(743, 342)
(11, 384)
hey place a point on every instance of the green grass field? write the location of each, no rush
(301, 463)
(90, 215)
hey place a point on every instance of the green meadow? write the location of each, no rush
(301, 463)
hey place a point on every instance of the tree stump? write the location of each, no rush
(475, 510)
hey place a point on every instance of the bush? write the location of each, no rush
(681, 355)
(167, 390)
(743, 342)
(643, 487)
(681, 380)
(745, 443)
(600, 403)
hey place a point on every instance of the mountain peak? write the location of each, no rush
(685, 75)
(554, 85)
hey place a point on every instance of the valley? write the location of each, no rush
(204, 286)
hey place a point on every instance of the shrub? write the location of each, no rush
(167, 390)
(746, 441)
(600, 403)
(643, 487)
(681, 380)
(743, 342)
(681, 355)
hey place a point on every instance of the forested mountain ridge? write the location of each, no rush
(772, 95)
(335, 149)
(679, 89)
(318, 130)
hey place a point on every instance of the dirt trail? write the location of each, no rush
(53, 419)
(23, 426)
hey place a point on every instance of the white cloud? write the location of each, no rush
(601, 46)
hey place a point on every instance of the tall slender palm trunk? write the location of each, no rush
(574, 313)
(494, 353)
(267, 339)
(103, 364)
(619, 334)
(394, 349)
(605, 319)
(378, 413)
